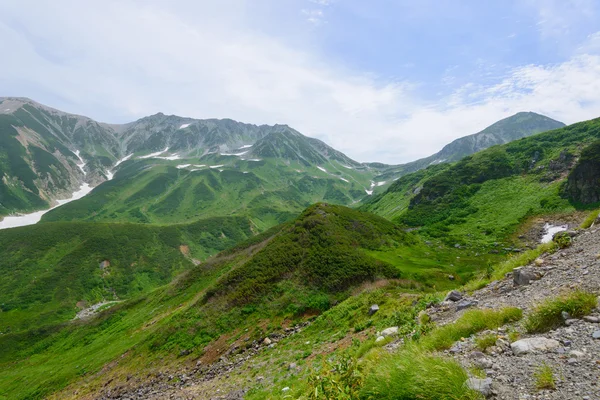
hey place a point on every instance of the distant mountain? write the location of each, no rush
(39, 149)
(515, 127)
(484, 198)
(46, 154)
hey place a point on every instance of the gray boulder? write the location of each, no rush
(524, 276)
(483, 386)
(454, 295)
(533, 345)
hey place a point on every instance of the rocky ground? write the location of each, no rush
(572, 352)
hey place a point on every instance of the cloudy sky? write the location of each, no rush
(381, 80)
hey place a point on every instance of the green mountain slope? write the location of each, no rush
(483, 198)
(52, 270)
(270, 182)
(300, 268)
(515, 127)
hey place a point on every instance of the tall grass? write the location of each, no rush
(548, 314)
(413, 374)
(469, 323)
(590, 219)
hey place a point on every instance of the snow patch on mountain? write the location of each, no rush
(158, 153)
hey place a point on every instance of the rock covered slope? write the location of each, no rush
(570, 351)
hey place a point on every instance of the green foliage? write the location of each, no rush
(322, 249)
(547, 315)
(562, 240)
(544, 378)
(338, 380)
(411, 375)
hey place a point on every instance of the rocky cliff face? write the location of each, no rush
(583, 184)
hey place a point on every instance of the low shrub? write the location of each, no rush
(548, 315)
(562, 240)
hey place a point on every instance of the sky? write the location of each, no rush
(381, 80)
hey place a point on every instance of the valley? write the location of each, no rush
(177, 257)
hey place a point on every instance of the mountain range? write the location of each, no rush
(216, 258)
(267, 172)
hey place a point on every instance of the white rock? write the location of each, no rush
(379, 339)
(483, 386)
(534, 344)
(390, 331)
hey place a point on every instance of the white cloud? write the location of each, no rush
(204, 60)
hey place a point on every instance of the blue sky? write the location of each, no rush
(380, 80)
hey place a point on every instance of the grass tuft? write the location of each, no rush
(485, 341)
(544, 378)
(413, 374)
(547, 315)
(469, 323)
(590, 219)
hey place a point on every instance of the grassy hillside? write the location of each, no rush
(269, 191)
(483, 198)
(288, 273)
(517, 126)
(50, 271)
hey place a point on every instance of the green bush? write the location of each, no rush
(340, 380)
(548, 315)
(562, 240)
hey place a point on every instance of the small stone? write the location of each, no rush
(373, 309)
(572, 361)
(577, 353)
(285, 389)
(483, 386)
(596, 335)
(292, 366)
(267, 341)
(565, 315)
(539, 262)
(571, 321)
(589, 318)
(451, 277)
(454, 295)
